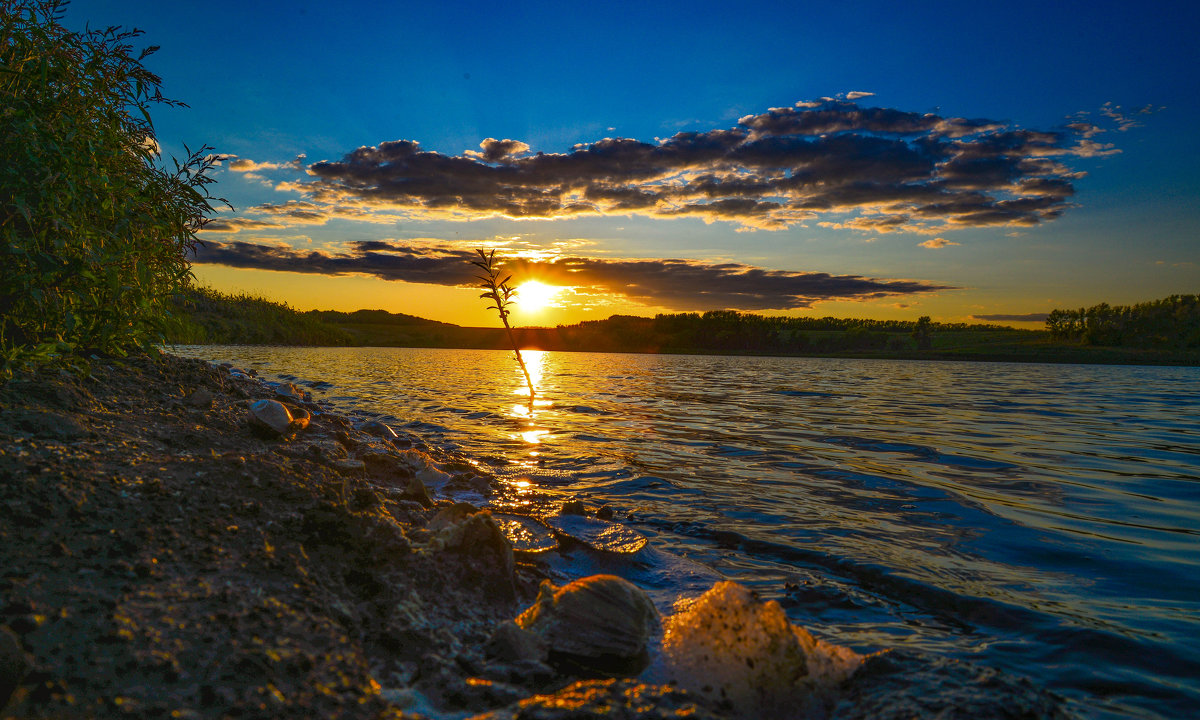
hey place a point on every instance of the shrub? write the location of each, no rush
(93, 231)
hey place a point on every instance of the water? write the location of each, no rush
(1040, 519)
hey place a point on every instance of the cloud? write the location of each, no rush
(237, 224)
(246, 165)
(937, 243)
(1029, 317)
(498, 150)
(677, 284)
(867, 167)
(1125, 120)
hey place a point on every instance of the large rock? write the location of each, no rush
(599, 620)
(731, 648)
(273, 419)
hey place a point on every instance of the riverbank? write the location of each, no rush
(160, 557)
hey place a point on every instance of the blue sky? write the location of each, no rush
(966, 106)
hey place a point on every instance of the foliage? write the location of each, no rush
(372, 317)
(923, 333)
(93, 232)
(500, 293)
(730, 331)
(205, 316)
(1172, 322)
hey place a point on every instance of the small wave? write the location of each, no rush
(586, 410)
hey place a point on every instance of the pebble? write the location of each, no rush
(201, 398)
(378, 429)
(289, 391)
(15, 663)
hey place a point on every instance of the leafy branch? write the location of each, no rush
(501, 294)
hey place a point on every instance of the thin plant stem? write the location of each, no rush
(501, 293)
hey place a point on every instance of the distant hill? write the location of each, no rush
(210, 317)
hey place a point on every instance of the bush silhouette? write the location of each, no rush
(94, 232)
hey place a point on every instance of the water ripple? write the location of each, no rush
(1043, 519)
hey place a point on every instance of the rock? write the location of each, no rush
(378, 429)
(731, 648)
(605, 512)
(201, 398)
(574, 507)
(272, 418)
(289, 391)
(327, 450)
(598, 534)
(300, 418)
(512, 643)
(596, 621)
(478, 484)
(609, 699)
(451, 515)
(415, 490)
(482, 555)
(347, 466)
(527, 534)
(384, 463)
(15, 664)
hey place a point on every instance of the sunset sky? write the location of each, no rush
(960, 160)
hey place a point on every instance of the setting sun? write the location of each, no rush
(534, 295)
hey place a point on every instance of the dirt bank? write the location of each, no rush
(160, 558)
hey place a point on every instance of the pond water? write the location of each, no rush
(1039, 519)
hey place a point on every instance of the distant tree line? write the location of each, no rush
(205, 316)
(1173, 322)
(731, 331)
(370, 317)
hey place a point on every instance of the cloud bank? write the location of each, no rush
(1029, 317)
(677, 284)
(867, 168)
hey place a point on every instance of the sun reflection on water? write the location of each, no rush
(525, 413)
(535, 363)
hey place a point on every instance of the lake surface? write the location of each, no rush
(1039, 519)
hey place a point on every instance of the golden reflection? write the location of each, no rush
(534, 436)
(535, 363)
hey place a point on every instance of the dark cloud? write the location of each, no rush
(676, 284)
(875, 167)
(237, 224)
(1030, 317)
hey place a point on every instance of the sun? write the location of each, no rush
(534, 295)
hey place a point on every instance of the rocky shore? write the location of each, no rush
(172, 546)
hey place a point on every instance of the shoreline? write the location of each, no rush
(160, 556)
(1070, 356)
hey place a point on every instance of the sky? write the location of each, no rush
(971, 162)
